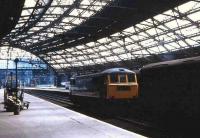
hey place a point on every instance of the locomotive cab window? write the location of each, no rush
(131, 77)
(113, 78)
(122, 77)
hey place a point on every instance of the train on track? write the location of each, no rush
(170, 88)
(116, 84)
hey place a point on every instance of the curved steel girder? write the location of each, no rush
(61, 38)
(139, 11)
(31, 24)
(75, 4)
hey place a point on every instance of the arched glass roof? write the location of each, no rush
(26, 59)
(59, 23)
(172, 30)
(11, 53)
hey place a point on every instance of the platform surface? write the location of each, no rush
(47, 120)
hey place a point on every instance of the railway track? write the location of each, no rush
(56, 98)
(131, 124)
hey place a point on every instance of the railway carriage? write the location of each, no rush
(171, 89)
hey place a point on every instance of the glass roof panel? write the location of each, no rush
(12, 53)
(57, 17)
(171, 30)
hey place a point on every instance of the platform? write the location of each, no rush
(47, 120)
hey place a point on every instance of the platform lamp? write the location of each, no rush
(16, 61)
(17, 107)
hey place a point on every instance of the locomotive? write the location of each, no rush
(116, 84)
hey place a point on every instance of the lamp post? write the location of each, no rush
(16, 61)
(17, 106)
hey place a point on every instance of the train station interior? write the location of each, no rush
(99, 68)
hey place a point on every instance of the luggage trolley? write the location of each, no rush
(13, 96)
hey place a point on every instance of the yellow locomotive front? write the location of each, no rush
(122, 84)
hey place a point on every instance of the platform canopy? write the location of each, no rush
(71, 34)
